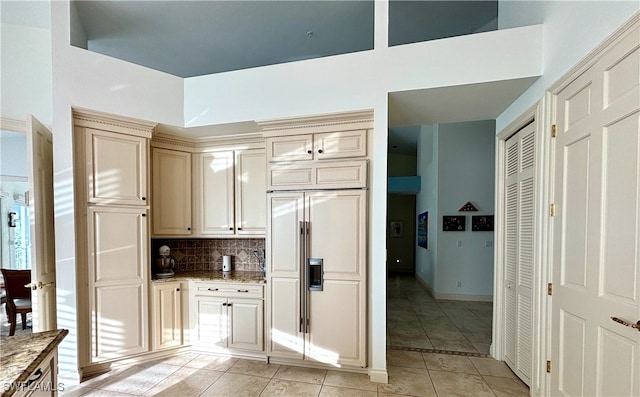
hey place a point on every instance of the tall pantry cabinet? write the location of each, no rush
(317, 227)
(112, 236)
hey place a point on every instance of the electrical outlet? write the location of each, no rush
(458, 283)
(488, 244)
(459, 244)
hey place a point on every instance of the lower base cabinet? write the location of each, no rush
(166, 315)
(44, 380)
(226, 316)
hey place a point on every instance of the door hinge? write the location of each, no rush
(27, 198)
(548, 366)
(552, 210)
(550, 289)
(554, 130)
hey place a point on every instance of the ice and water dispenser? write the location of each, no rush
(315, 274)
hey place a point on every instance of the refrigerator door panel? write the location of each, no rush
(284, 240)
(285, 338)
(338, 232)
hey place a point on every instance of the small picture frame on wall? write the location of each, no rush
(396, 229)
(453, 223)
(482, 223)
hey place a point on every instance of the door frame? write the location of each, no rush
(538, 115)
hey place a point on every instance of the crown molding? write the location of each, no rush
(13, 125)
(362, 119)
(125, 125)
(194, 145)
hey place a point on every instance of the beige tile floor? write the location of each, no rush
(410, 374)
(416, 320)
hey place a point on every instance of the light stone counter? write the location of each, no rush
(215, 275)
(21, 355)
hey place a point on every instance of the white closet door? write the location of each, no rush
(519, 259)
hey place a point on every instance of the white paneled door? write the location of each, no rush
(595, 231)
(43, 256)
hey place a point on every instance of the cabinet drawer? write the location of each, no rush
(345, 174)
(325, 175)
(290, 177)
(228, 290)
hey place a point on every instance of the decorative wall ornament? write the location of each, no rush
(423, 230)
(453, 223)
(482, 223)
(396, 229)
(468, 206)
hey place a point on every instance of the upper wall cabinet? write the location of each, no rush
(116, 167)
(171, 186)
(230, 192)
(251, 192)
(330, 145)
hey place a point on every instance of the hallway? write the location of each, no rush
(415, 320)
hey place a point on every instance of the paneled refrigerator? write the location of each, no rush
(317, 276)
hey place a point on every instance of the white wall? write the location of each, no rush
(427, 200)
(13, 154)
(25, 59)
(571, 30)
(465, 173)
(92, 81)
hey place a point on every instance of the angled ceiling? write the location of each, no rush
(192, 38)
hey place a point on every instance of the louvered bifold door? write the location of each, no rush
(519, 258)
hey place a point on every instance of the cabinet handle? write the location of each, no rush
(309, 151)
(243, 290)
(38, 374)
(144, 198)
(228, 304)
(319, 150)
(212, 289)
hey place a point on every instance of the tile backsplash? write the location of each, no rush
(206, 254)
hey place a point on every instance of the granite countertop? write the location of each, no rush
(216, 275)
(23, 354)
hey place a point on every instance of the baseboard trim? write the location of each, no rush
(379, 376)
(454, 297)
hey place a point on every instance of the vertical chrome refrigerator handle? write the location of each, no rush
(303, 316)
(307, 255)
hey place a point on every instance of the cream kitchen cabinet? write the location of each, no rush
(118, 272)
(112, 237)
(227, 316)
(166, 315)
(116, 167)
(171, 186)
(320, 146)
(230, 193)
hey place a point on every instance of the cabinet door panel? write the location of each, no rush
(246, 324)
(345, 345)
(117, 239)
(285, 338)
(116, 168)
(251, 192)
(338, 232)
(290, 148)
(343, 144)
(167, 315)
(119, 321)
(171, 207)
(285, 212)
(211, 322)
(215, 202)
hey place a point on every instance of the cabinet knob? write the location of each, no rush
(230, 228)
(178, 289)
(309, 151)
(319, 150)
(144, 214)
(144, 198)
(239, 228)
(188, 228)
